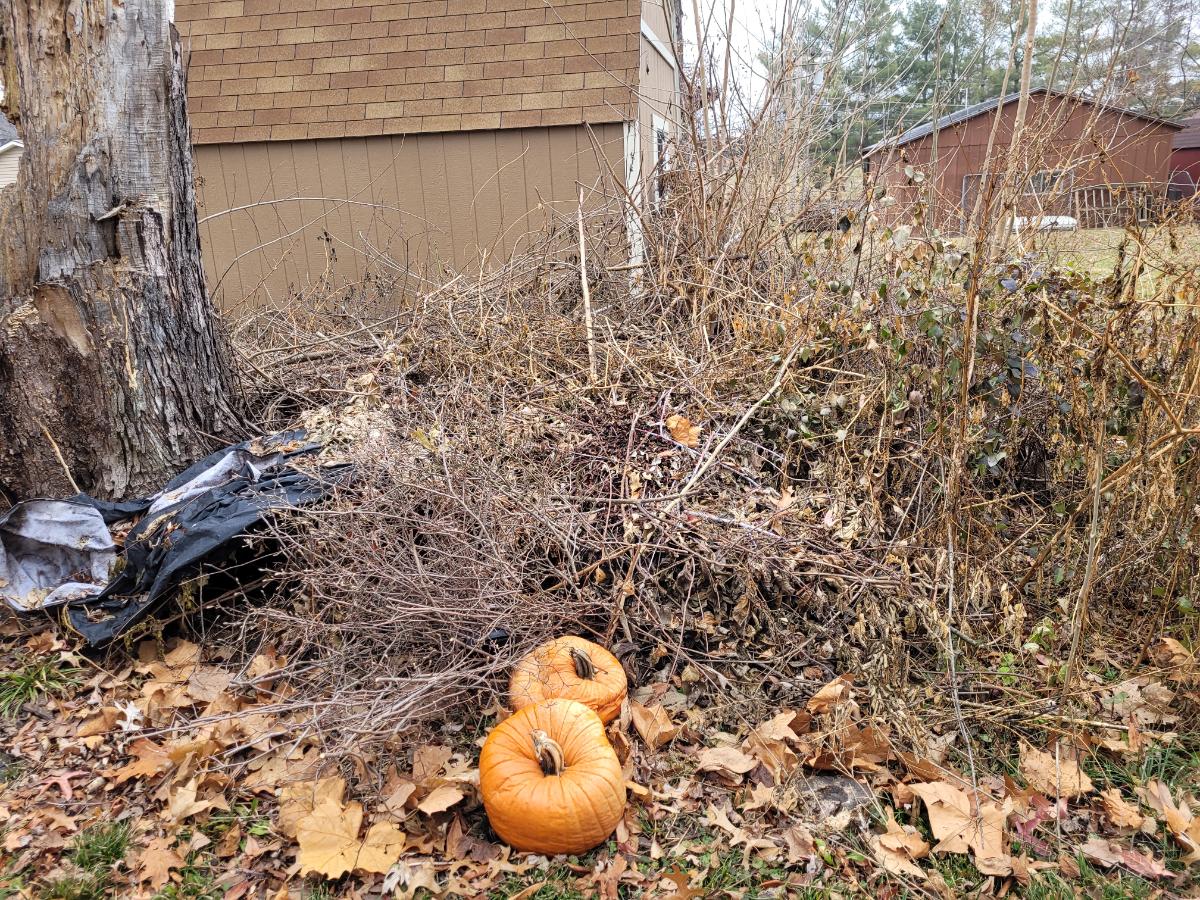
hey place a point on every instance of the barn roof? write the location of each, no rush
(970, 112)
(7, 131)
(1189, 138)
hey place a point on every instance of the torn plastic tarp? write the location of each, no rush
(52, 551)
(197, 518)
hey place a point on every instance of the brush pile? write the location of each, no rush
(774, 458)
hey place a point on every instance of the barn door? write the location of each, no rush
(970, 194)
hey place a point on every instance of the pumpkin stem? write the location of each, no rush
(549, 753)
(584, 667)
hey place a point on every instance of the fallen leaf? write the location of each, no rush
(393, 802)
(300, 798)
(101, 723)
(1106, 853)
(1056, 777)
(281, 766)
(130, 716)
(729, 762)
(1172, 654)
(157, 860)
(683, 430)
(428, 761)
(405, 879)
(1118, 811)
(830, 696)
(1181, 822)
(899, 847)
(150, 759)
(184, 802)
(1143, 701)
(440, 799)
(800, 844)
(1068, 866)
(653, 724)
(328, 838)
(717, 817)
(1146, 866)
(959, 827)
(206, 683)
(381, 848)
(771, 743)
(230, 841)
(682, 880)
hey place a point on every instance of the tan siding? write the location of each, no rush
(9, 161)
(411, 67)
(419, 199)
(658, 98)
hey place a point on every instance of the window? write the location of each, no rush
(1047, 182)
(660, 159)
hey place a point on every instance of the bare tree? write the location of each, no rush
(113, 372)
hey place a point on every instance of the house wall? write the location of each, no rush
(287, 70)
(9, 161)
(657, 84)
(388, 204)
(1187, 160)
(1099, 146)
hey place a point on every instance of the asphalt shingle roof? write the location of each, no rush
(1189, 138)
(926, 128)
(7, 131)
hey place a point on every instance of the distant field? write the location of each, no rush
(1096, 250)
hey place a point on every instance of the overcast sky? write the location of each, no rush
(753, 24)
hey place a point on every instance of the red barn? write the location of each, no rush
(1185, 159)
(1099, 163)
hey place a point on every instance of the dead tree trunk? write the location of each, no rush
(113, 371)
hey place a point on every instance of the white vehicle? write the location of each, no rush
(1045, 223)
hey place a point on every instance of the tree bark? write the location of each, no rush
(113, 370)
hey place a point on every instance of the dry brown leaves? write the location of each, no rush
(1056, 774)
(653, 724)
(412, 823)
(961, 823)
(683, 430)
(1183, 824)
(899, 847)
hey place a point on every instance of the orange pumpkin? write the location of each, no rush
(550, 780)
(573, 668)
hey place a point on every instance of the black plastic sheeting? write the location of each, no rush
(198, 519)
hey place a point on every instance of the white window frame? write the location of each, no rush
(660, 157)
(1062, 178)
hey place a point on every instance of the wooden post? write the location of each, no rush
(113, 371)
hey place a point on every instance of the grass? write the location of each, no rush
(86, 886)
(248, 815)
(197, 881)
(1095, 250)
(1177, 764)
(33, 681)
(94, 853)
(100, 847)
(557, 887)
(1091, 883)
(198, 877)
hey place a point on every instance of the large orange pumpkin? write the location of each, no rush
(573, 668)
(550, 780)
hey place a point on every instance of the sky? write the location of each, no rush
(753, 22)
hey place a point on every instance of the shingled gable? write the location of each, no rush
(283, 70)
(970, 112)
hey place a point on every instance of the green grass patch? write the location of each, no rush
(84, 886)
(33, 681)
(100, 847)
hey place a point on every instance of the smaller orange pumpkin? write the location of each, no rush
(550, 781)
(573, 668)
